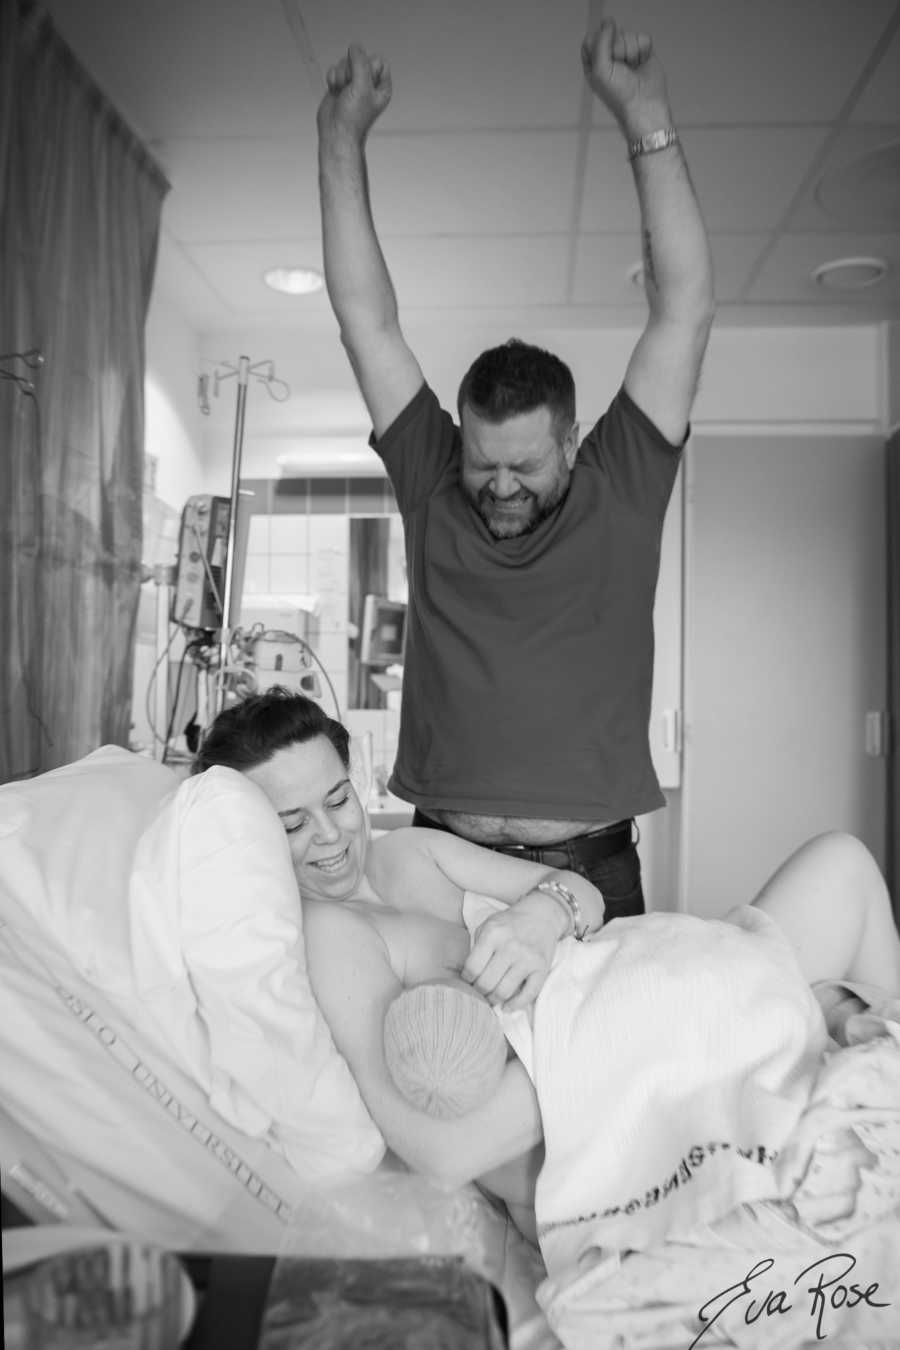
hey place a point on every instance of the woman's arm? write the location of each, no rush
(512, 950)
(354, 983)
(473, 868)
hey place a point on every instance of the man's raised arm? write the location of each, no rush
(624, 72)
(359, 285)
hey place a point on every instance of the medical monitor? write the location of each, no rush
(383, 631)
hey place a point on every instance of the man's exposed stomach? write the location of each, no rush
(512, 829)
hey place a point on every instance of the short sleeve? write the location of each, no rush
(419, 450)
(638, 461)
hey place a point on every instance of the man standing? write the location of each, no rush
(532, 560)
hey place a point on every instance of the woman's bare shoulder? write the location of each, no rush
(393, 856)
(404, 872)
(399, 845)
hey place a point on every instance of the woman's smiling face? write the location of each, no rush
(310, 789)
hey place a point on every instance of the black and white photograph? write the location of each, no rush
(450, 688)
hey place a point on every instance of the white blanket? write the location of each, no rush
(823, 1265)
(672, 1058)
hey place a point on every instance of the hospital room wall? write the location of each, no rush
(785, 614)
(785, 676)
(173, 431)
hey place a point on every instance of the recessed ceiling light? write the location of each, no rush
(294, 280)
(851, 274)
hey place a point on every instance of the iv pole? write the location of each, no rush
(264, 371)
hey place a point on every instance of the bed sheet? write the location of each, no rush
(821, 1264)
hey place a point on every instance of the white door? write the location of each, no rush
(784, 655)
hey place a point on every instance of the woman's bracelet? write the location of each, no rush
(573, 909)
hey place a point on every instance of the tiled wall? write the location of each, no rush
(298, 545)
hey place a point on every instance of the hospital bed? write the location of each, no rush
(106, 1121)
(124, 1109)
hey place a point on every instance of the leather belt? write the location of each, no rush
(585, 849)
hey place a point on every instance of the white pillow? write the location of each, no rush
(218, 976)
(93, 1120)
(67, 841)
(177, 903)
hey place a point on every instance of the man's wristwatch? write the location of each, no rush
(652, 142)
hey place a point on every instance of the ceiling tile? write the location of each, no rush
(730, 61)
(734, 256)
(492, 182)
(235, 271)
(241, 189)
(447, 273)
(745, 177)
(488, 183)
(474, 165)
(202, 68)
(609, 200)
(602, 264)
(603, 261)
(454, 273)
(880, 100)
(465, 64)
(185, 285)
(850, 146)
(786, 273)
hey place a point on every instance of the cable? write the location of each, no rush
(188, 646)
(152, 681)
(337, 707)
(246, 640)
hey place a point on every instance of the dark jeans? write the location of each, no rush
(618, 877)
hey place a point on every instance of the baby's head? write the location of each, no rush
(445, 1049)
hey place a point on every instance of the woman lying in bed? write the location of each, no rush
(386, 914)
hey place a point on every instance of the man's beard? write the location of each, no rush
(510, 525)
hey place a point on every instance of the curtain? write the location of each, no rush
(892, 856)
(80, 204)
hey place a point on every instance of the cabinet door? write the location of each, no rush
(784, 655)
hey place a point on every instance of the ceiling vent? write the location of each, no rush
(850, 274)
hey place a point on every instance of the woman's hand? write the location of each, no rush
(512, 951)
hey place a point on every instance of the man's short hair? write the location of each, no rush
(518, 378)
